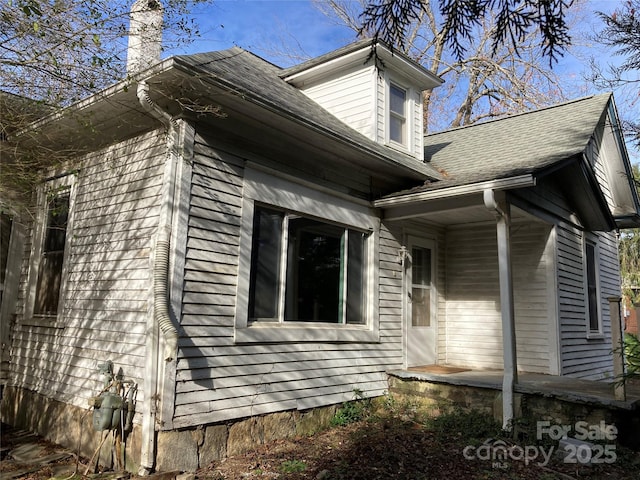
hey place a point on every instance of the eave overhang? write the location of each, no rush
(413, 198)
(627, 210)
(586, 196)
(361, 53)
(115, 114)
(469, 197)
(627, 221)
(576, 177)
(368, 153)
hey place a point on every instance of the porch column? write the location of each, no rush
(617, 339)
(497, 203)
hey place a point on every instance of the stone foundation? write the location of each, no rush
(178, 450)
(431, 398)
(189, 449)
(65, 425)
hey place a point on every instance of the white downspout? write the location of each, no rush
(617, 341)
(160, 321)
(503, 223)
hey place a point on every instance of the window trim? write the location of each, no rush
(409, 106)
(66, 183)
(592, 240)
(269, 190)
(395, 115)
(282, 304)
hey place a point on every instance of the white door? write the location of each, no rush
(421, 303)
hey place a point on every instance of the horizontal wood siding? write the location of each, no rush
(602, 149)
(349, 97)
(473, 322)
(381, 109)
(106, 301)
(531, 291)
(218, 379)
(474, 332)
(441, 251)
(390, 295)
(583, 357)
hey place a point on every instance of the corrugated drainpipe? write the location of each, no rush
(160, 320)
(497, 204)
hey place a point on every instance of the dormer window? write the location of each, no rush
(397, 114)
(385, 105)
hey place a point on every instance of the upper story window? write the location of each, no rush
(397, 114)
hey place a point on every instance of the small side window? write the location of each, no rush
(397, 114)
(53, 247)
(592, 288)
(48, 257)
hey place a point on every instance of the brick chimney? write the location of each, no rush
(145, 35)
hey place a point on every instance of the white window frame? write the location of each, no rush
(592, 240)
(409, 106)
(269, 190)
(67, 183)
(425, 243)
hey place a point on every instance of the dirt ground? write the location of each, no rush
(386, 449)
(390, 447)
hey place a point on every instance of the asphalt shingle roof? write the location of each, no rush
(515, 145)
(255, 78)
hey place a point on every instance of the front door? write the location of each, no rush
(421, 303)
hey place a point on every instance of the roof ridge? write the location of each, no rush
(520, 114)
(230, 52)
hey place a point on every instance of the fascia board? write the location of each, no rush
(521, 181)
(598, 197)
(103, 95)
(627, 221)
(398, 61)
(327, 68)
(612, 115)
(416, 73)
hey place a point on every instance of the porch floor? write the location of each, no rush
(563, 388)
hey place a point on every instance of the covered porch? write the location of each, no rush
(552, 399)
(600, 393)
(506, 292)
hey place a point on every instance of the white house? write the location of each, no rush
(241, 239)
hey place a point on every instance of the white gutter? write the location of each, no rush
(521, 181)
(501, 208)
(160, 321)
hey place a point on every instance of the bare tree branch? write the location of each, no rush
(390, 20)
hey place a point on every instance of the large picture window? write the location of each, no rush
(306, 270)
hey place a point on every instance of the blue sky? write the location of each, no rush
(287, 32)
(262, 26)
(259, 25)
